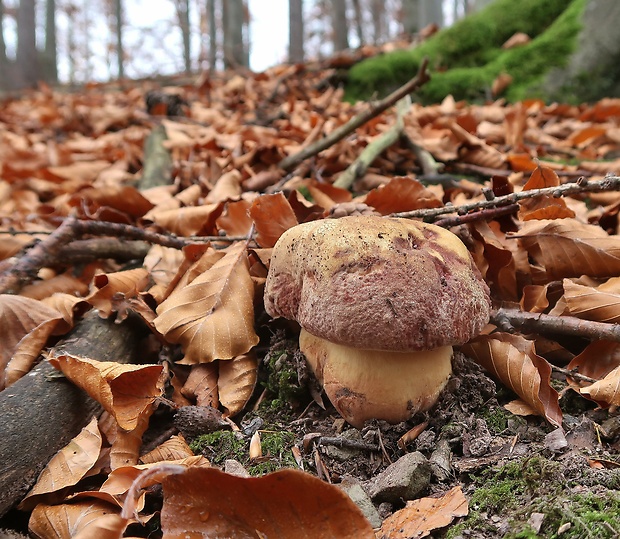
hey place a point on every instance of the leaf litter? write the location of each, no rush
(228, 200)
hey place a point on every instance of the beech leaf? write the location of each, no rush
(513, 360)
(213, 316)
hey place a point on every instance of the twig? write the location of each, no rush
(609, 183)
(482, 215)
(341, 132)
(513, 319)
(574, 374)
(381, 143)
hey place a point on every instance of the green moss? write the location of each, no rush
(466, 58)
(283, 385)
(515, 491)
(276, 447)
(496, 419)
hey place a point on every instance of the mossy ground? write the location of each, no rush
(466, 58)
(504, 499)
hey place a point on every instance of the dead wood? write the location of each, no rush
(42, 412)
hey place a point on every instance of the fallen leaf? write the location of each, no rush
(420, 517)
(213, 316)
(512, 359)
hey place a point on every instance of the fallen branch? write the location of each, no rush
(609, 183)
(341, 132)
(482, 215)
(381, 143)
(511, 320)
(49, 252)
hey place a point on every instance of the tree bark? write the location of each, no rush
(431, 12)
(39, 414)
(182, 7)
(120, 52)
(4, 61)
(234, 48)
(340, 28)
(296, 31)
(411, 16)
(27, 59)
(359, 22)
(50, 55)
(212, 34)
(377, 8)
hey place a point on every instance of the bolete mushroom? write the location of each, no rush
(381, 302)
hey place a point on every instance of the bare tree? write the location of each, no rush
(27, 57)
(4, 61)
(120, 51)
(235, 50)
(431, 12)
(212, 34)
(377, 8)
(50, 54)
(340, 27)
(411, 16)
(182, 9)
(359, 21)
(296, 31)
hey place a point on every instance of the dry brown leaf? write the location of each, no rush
(185, 221)
(127, 392)
(83, 519)
(545, 207)
(420, 517)
(236, 382)
(67, 467)
(26, 325)
(599, 360)
(162, 263)
(272, 215)
(227, 187)
(513, 360)
(202, 384)
(401, 194)
(213, 316)
(569, 248)
(206, 502)
(591, 303)
(235, 219)
(126, 283)
(175, 448)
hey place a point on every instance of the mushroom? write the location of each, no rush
(381, 302)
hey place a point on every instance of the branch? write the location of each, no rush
(359, 167)
(513, 319)
(482, 215)
(582, 185)
(341, 132)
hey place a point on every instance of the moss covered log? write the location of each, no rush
(467, 57)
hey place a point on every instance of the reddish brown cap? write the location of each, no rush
(377, 283)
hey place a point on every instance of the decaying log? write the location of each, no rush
(42, 412)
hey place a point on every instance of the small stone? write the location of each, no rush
(536, 521)
(359, 497)
(403, 480)
(234, 467)
(556, 441)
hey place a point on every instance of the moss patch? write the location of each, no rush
(466, 58)
(222, 445)
(505, 498)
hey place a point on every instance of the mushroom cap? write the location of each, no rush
(377, 283)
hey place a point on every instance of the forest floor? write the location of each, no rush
(534, 447)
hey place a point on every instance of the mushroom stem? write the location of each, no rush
(377, 384)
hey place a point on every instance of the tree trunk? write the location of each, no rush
(4, 61)
(27, 60)
(359, 22)
(212, 34)
(431, 12)
(120, 52)
(340, 28)
(182, 7)
(411, 16)
(296, 31)
(378, 21)
(50, 54)
(234, 49)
